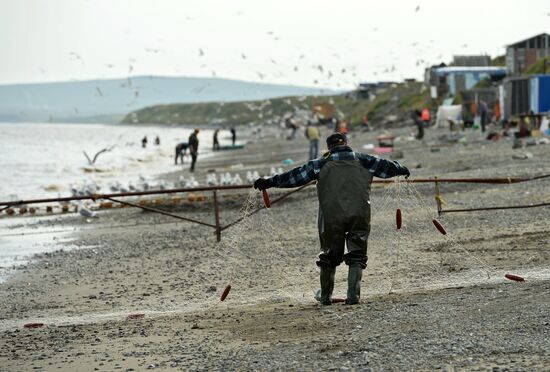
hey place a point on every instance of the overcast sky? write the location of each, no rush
(314, 43)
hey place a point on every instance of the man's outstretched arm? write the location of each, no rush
(383, 168)
(293, 178)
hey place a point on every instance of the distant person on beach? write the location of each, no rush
(313, 135)
(426, 117)
(181, 151)
(157, 141)
(343, 127)
(233, 135)
(194, 148)
(417, 119)
(366, 126)
(344, 179)
(290, 124)
(483, 114)
(144, 142)
(215, 141)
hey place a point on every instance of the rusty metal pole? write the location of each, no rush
(217, 217)
(437, 197)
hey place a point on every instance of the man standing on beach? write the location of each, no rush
(194, 148)
(313, 135)
(216, 142)
(343, 180)
(233, 135)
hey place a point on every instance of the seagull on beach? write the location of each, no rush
(85, 212)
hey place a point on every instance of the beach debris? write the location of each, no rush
(382, 150)
(288, 161)
(136, 316)
(516, 278)
(439, 227)
(267, 202)
(398, 218)
(397, 155)
(522, 156)
(225, 292)
(334, 300)
(33, 325)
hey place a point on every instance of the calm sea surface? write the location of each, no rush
(44, 160)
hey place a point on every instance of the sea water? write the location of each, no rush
(45, 159)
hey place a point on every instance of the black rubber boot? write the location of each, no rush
(354, 284)
(327, 284)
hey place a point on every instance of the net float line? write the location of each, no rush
(267, 202)
(502, 180)
(284, 196)
(516, 278)
(225, 292)
(439, 227)
(398, 218)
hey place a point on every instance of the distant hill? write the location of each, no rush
(388, 107)
(110, 100)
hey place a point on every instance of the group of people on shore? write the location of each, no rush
(192, 145)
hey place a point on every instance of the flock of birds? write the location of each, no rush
(346, 74)
(90, 188)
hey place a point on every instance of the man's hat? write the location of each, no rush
(336, 139)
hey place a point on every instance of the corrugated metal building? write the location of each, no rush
(523, 54)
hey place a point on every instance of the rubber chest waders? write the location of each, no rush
(343, 189)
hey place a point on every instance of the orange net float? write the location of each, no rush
(225, 292)
(516, 278)
(439, 227)
(33, 325)
(336, 300)
(267, 202)
(398, 218)
(136, 316)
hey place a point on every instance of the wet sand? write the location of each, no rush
(428, 301)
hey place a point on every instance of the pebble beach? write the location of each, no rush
(133, 290)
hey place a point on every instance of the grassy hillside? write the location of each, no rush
(538, 67)
(388, 106)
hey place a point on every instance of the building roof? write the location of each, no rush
(493, 70)
(529, 38)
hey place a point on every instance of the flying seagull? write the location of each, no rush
(91, 162)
